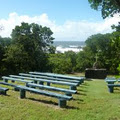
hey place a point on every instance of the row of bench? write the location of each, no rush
(31, 81)
(111, 83)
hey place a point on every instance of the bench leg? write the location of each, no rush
(73, 88)
(41, 83)
(35, 81)
(5, 80)
(68, 94)
(111, 89)
(16, 89)
(62, 103)
(3, 92)
(22, 93)
(48, 84)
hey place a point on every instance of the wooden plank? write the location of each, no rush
(44, 80)
(57, 75)
(47, 93)
(52, 88)
(15, 79)
(49, 78)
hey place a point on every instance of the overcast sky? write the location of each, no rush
(68, 19)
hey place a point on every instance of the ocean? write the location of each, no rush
(64, 46)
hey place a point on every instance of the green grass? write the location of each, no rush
(93, 102)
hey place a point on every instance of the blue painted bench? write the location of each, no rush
(41, 81)
(66, 91)
(111, 87)
(62, 98)
(59, 76)
(5, 79)
(8, 84)
(3, 90)
(110, 80)
(50, 78)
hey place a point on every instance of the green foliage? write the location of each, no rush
(17, 59)
(72, 56)
(107, 7)
(59, 63)
(27, 50)
(4, 43)
(84, 60)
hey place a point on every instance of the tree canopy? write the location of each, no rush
(30, 43)
(107, 7)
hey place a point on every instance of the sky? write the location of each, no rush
(68, 19)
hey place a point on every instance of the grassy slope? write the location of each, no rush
(93, 102)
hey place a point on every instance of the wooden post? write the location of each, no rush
(48, 84)
(73, 88)
(41, 83)
(62, 103)
(22, 93)
(111, 89)
(68, 94)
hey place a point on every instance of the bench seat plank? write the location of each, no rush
(43, 92)
(49, 78)
(44, 80)
(67, 91)
(15, 79)
(58, 75)
(3, 90)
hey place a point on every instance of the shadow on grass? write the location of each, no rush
(82, 94)
(78, 99)
(43, 101)
(1, 94)
(51, 103)
(81, 90)
(72, 107)
(88, 79)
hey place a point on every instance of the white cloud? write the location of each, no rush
(70, 30)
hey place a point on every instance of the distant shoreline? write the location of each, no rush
(64, 46)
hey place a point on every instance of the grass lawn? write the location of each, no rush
(93, 102)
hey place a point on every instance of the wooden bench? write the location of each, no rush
(66, 91)
(59, 76)
(110, 80)
(50, 78)
(111, 87)
(41, 81)
(3, 90)
(62, 98)
(5, 79)
(8, 84)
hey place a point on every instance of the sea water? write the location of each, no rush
(64, 46)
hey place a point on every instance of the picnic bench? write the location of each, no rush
(3, 90)
(110, 80)
(111, 87)
(41, 81)
(50, 78)
(62, 98)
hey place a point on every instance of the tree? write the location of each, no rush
(32, 41)
(72, 56)
(107, 7)
(4, 43)
(59, 63)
